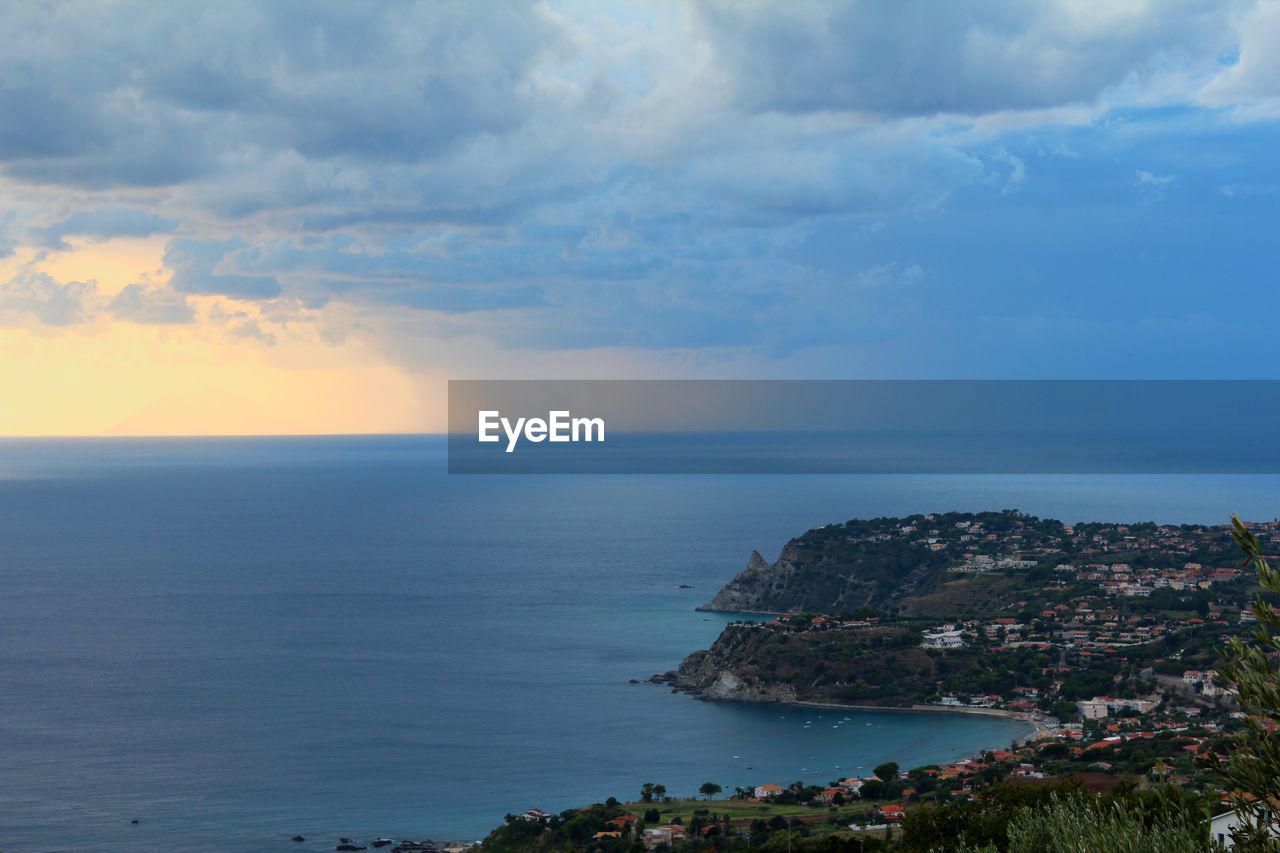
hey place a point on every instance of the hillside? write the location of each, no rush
(994, 609)
(874, 665)
(896, 564)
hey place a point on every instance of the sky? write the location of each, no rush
(304, 217)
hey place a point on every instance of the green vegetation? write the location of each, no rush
(1251, 770)
(1075, 825)
(650, 792)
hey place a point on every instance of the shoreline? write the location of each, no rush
(1033, 719)
(919, 708)
(1038, 730)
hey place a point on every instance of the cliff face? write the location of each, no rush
(725, 671)
(755, 587)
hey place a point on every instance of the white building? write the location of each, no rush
(1220, 827)
(942, 640)
(853, 785)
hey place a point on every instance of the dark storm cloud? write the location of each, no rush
(141, 93)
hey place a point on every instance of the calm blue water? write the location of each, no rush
(238, 640)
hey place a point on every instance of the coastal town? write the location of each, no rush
(1106, 637)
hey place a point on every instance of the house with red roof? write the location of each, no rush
(890, 812)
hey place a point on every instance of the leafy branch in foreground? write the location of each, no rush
(1076, 825)
(1251, 773)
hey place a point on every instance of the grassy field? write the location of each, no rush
(742, 812)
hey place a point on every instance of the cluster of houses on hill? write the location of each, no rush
(1014, 541)
(1086, 623)
(1026, 699)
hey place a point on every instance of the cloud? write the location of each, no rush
(240, 325)
(137, 303)
(921, 59)
(93, 99)
(101, 224)
(32, 296)
(35, 299)
(1254, 77)
(1152, 185)
(710, 176)
(211, 267)
(1017, 175)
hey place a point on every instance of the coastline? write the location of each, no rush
(1038, 730)
(921, 708)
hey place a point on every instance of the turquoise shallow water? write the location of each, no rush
(238, 640)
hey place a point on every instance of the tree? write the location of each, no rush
(709, 789)
(660, 791)
(1251, 772)
(873, 789)
(652, 816)
(1075, 823)
(980, 823)
(646, 792)
(887, 772)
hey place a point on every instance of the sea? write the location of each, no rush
(232, 641)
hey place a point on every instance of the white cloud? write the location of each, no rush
(32, 296)
(1253, 80)
(1151, 185)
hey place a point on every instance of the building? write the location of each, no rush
(890, 813)
(1093, 709)
(942, 640)
(1220, 827)
(1099, 706)
(656, 836)
(764, 792)
(853, 784)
